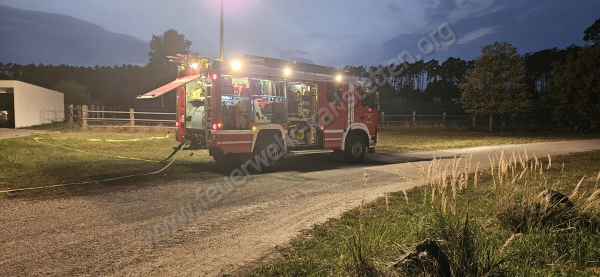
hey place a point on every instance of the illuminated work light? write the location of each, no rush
(194, 65)
(287, 72)
(338, 78)
(236, 65)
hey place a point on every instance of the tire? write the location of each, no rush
(355, 149)
(269, 145)
(227, 160)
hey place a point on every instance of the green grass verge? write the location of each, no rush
(75, 155)
(367, 241)
(402, 140)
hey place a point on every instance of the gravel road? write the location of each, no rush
(99, 234)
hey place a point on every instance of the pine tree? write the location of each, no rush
(574, 93)
(169, 43)
(592, 33)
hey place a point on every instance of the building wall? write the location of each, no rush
(35, 105)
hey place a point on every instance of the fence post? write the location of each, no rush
(474, 119)
(102, 112)
(84, 115)
(79, 114)
(382, 119)
(70, 113)
(444, 120)
(414, 118)
(131, 117)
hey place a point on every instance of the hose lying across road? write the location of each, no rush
(39, 140)
(175, 153)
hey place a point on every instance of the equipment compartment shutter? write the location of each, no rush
(168, 87)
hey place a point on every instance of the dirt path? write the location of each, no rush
(6, 133)
(99, 234)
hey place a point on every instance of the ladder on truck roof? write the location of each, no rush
(298, 66)
(312, 71)
(271, 63)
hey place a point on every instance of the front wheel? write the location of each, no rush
(355, 149)
(270, 152)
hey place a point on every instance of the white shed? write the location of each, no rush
(29, 105)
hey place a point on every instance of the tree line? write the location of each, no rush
(424, 80)
(561, 83)
(558, 84)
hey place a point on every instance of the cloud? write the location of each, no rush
(469, 8)
(476, 34)
(393, 7)
(332, 32)
(295, 56)
(295, 53)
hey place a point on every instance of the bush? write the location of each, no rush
(74, 92)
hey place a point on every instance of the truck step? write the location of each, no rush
(190, 148)
(306, 152)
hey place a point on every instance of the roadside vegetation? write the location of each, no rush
(397, 140)
(488, 223)
(71, 154)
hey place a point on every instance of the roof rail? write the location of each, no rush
(272, 63)
(297, 66)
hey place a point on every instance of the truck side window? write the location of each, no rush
(332, 89)
(236, 110)
(368, 99)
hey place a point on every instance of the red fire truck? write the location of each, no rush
(240, 108)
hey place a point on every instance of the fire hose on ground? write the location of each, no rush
(175, 153)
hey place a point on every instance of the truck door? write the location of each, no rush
(365, 110)
(333, 112)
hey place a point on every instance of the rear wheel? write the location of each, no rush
(355, 149)
(229, 160)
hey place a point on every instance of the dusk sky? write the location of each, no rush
(338, 32)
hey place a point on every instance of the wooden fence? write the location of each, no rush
(444, 120)
(99, 117)
(414, 119)
(109, 117)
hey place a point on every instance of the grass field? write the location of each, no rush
(75, 155)
(485, 225)
(401, 140)
(71, 154)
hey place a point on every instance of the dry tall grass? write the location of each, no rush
(440, 180)
(514, 178)
(516, 181)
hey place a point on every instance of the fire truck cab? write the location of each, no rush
(241, 108)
